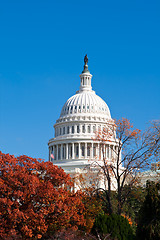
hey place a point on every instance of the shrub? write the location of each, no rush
(117, 226)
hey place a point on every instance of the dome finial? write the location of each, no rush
(85, 70)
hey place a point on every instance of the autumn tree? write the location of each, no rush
(35, 199)
(130, 154)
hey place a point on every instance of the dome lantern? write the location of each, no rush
(85, 77)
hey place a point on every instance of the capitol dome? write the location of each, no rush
(85, 102)
(83, 114)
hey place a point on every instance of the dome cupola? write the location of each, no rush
(85, 77)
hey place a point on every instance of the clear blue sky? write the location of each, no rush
(42, 45)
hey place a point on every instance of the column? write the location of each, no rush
(66, 150)
(73, 151)
(101, 151)
(85, 150)
(111, 152)
(98, 151)
(92, 150)
(61, 151)
(104, 152)
(57, 152)
(79, 150)
(54, 152)
(49, 154)
(109, 148)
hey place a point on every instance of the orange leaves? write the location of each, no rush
(124, 127)
(128, 218)
(34, 198)
(106, 133)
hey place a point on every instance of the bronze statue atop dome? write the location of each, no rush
(86, 59)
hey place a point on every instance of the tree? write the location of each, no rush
(153, 138)
(130, 155)
(149, 214)
(92, 204)
(35, 199)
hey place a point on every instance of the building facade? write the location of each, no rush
(74, 146)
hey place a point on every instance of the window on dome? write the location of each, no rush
(94, 151)
(89, 129)
(75, 107)
(78, 129)
(63, 130)
(83, 128)
(68, 130)
(77, 151)
(60, 131)
(59, 153)
(63, 152)
(72, 129)
(70, 155)
(87, 107)
(94, 128)
(82, 151)
(71, 107)
(88, 151)
(83, 106)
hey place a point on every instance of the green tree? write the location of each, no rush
(149, 215)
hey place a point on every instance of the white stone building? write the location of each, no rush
(74, 146)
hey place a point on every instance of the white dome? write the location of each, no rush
(85, 102)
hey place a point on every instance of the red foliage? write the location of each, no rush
(35, 199)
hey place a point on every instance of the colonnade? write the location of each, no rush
(81, 150)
